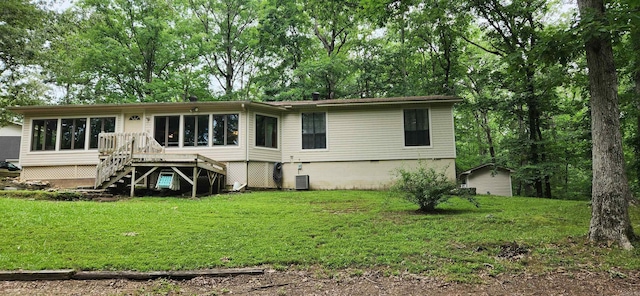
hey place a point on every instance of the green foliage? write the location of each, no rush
(424, 186)
(21, 43)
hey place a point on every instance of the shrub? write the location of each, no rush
(425, 187)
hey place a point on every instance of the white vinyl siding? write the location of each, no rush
(359, 139)
(374, 133)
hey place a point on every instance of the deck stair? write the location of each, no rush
(122, 155)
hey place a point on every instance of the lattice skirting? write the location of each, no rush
(58, 172)
(236, 172)
(259, 174)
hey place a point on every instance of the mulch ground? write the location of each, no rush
(340, 283)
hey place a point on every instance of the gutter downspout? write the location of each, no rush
(246, 141)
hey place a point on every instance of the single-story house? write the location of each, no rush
(10, 142)
(314, 144)
(488, 179)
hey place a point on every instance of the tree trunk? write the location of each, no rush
(533, 117)
(610, 194)
(635, 43)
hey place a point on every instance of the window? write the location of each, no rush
(73, 133)
(416, 127)
(266, 131)
(167, 130)
(196, 130)
(314, 130)
(225, 129)
(100, 125)
(44, 134)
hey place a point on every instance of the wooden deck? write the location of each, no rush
(135, 156)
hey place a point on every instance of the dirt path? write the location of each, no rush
(369, 283)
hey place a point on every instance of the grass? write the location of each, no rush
(326, 229)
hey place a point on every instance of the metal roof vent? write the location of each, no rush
(315, 96)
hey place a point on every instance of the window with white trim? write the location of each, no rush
(196, 130)
(44, 133)
(99, 125)
(73, 132)
(166, 130)
(314, 130)
(266, 131)
(416, 127)
(225, 129)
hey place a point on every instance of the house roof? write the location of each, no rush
(151, 106)
(468, 172)
(368, 101)
(276, 105)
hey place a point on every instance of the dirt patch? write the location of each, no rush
(513, 251)
(342, 283)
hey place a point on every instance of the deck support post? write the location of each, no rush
(212, 176)
(133, 181)
(195, 181)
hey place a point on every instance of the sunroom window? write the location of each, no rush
(167, 130)
(225, 129)
(73, 133)
(196, 130)
(43, 134)
(99, 125)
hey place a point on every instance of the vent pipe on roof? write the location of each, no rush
(193, 98)
(315, 96)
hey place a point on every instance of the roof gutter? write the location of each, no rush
(386, 103)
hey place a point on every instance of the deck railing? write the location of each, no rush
(109, 143)
(120, 149)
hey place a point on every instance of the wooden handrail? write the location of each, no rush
(114, 162)
(120, 149)
(108, 143)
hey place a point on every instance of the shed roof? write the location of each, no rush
(468, 172)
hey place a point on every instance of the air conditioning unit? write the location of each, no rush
(302, 182)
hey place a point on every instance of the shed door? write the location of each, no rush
(133, 123)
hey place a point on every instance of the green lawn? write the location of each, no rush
(327, 229)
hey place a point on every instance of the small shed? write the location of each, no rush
(488, 179)
(10, 135)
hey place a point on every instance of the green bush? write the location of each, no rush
(425, 187)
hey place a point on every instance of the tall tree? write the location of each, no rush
(610, 194)
(335, 25)
(20, 49)
(514, 30)
(284, 44)
(129, 49)
(228, 39)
